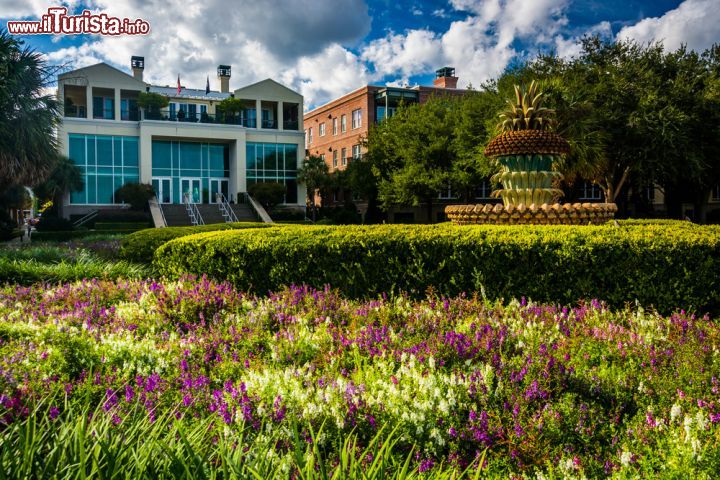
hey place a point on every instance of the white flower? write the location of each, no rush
(675, 412)
(625, 458)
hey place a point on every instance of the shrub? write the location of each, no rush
(51, 223)
(136, 194)
(668, 266)
(140, 246)
(269, 194)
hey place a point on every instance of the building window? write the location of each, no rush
(106, 163)
(357, 118)
(200, 170)
(650, 194)
(335, 155)
(356, 152)
(716, 193)
(343, 123)
(310, 135)
(590, 191)
(335, 126)
(446, 193)
(322, 129)
(484, 191)
(343, 156)
(322, 157)
(104, 107)
(273, 162)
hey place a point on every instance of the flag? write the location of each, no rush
(178, 92)
(207, 85)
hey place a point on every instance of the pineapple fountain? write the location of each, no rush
(526, 151)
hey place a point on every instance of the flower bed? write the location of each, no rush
(524, 388)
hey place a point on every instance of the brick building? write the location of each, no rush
(334, 131)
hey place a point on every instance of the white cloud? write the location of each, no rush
(570, 47)
(416, 51)
(440, 13)
(695, 23)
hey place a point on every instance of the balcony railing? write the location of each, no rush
(75, 111)
(200, 117)
(272, 124)
(290, 124)
(132, 115)
(104, 114)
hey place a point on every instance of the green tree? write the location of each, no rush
(230, 108)
(28, 116)
(152, 103)
(314, 174)
(269, 194)
(65, 177)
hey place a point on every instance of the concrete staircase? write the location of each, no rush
(244, 212)
(210, 213)
(175, 215)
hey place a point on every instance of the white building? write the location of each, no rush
(189, 150)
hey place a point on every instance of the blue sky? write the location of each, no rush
(324, 48)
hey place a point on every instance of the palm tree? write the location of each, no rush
(314, 174)
(28, 115)
(65, 177)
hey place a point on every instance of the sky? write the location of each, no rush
(325, 48)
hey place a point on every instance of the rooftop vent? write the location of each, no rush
(223, 73)
(138, 65)
(445, 78)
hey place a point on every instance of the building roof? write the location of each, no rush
(189, 93)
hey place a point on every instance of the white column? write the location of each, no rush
(118, 113)
(61, 97)
(89, 101)
(258, 113)
(281, 116)
(145, 156)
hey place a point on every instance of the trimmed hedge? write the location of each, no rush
(65, 236)
(673, 265)
(129, 226)
(141, 245)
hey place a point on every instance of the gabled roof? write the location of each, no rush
(99, 69)
(265, 87)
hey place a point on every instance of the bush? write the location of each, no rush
(669, 266)
(140, 246)
(124, 226)
(51, 223)
(269, 194)
(64, 236)
(135, 194)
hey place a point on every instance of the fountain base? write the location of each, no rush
(555, 214)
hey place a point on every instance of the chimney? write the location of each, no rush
(223, 73)
(138, 65)
(445, 78)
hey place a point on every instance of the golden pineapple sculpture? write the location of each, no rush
(526, 150)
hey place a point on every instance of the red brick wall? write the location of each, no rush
(362, 99)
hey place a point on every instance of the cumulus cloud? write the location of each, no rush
(570, 47)
(695, 23)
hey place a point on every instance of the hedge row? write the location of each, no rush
(141, 245)
(67, 235)
(674, 265)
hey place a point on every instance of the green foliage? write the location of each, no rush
(230, 108)
(668, 266)
(140, 246)
(152, 102)
(28, 115)
(314, 175)
(269, 194)
(136, 194)
(66, 177)
(53, 265)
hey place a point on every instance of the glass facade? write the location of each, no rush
(107, 163)
(273, 162)
(189, 167)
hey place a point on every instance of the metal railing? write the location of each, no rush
(257, 209)
(155, 206)
(86, 218)
(75, 111)
(200, 117)
(193, 211)
(225, 209)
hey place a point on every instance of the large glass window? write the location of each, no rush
(106, 162)
(273, 162)
(201, 165)
(357, 118)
